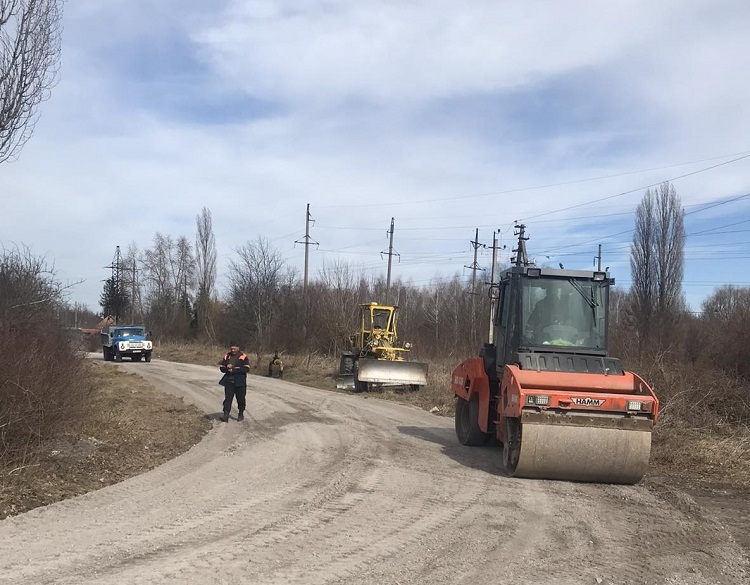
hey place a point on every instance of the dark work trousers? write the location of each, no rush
(230, 391)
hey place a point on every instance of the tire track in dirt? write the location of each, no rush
(322, 488)
(335, 481)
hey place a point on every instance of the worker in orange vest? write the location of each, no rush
(235, 367)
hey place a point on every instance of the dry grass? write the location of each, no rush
(127, 428)
(721, 454)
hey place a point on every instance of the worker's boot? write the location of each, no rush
(241, 416)
(224, 417)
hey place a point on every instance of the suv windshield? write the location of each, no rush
(564, 312)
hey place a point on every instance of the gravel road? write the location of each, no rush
(321, 487)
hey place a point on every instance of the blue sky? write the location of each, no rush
(446, 118)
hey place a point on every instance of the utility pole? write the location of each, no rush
(391, 254)
(598, 259)
(132, 294)
(119, 284)
(522, 258)
(116, 268)
(306, 242)
(474, 267)
(491, 335)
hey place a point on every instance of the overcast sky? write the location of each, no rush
(445, 116)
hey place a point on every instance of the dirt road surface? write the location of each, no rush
(319, 487)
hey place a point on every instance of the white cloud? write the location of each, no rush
(380, 104)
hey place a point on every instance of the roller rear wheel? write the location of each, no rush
(467, 422)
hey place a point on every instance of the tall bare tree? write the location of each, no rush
(335, 303)
(254, 279)
(657, 258)
(29, 58)
(169, 277)
(205, 260)
(182, 263)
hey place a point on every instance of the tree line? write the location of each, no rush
(173, 289)
(171, 286)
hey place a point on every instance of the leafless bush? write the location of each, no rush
(42, 390)
(698, 397)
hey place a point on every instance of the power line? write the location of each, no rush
(739, 155)
(703, 170)
(547, 221)
(719, 203)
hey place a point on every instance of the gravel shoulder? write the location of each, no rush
(323, 487)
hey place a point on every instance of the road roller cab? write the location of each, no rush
(545, 385)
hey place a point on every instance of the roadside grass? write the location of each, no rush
(720, 454)
(703, 431)
(128, 428)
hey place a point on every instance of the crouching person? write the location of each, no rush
(235, 367)
(276, 366)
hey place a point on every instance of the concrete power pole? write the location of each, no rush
(474, 267)
(306, 241)
(132, 295)
(493, 304)
(391, 254)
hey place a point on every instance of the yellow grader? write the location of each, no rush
(376, 357)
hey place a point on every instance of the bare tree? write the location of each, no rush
(159, 295)
(182, 263)
(27, 286)
(29, 58)
(169, 277)
(205, 260)
(253, 293)
(670, 252)
(642, 270)
(336, 303)
(132, 282)
(657, 258)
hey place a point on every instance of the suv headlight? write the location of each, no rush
(147, 344)
(123, 345)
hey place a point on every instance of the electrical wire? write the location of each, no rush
(739, 155)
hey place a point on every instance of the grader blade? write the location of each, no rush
(392, 373)
(345, 382)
